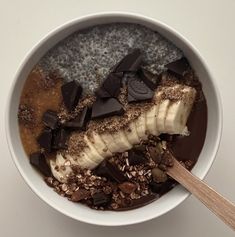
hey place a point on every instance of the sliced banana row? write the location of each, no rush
(165, 116)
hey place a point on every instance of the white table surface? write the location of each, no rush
(208, 24)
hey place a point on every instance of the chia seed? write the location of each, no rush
(88, 55)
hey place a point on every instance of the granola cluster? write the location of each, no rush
(144, 178)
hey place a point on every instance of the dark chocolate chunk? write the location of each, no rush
(167, 137)
(162, 188)
(102, 93)
(50, 119)
(110, 87)
(130, 63)
(45, 140)
(118, 74)
(71, 93)
(101, 199)
(60, 139)
(136, 157)
(113, 69)
(178, 67)
(110, 171)
(138, 90)
(140, 148)
(80, 121)
(38, 160)
(150, 79)
(106, 107)
(155, 187)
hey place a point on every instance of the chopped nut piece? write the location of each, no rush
(162, 167)
(159, 176)
(64, 187)
(156, 153)
(127, 187)
(167, 159)
(49, 181)
(114, 206)
(79, 195)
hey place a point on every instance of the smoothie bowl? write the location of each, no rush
(99, 107)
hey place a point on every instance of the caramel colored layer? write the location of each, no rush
(39, 94)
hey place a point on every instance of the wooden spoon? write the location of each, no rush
(222, 207)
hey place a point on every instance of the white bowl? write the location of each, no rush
(81, 212)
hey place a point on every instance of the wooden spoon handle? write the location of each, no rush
(222, 207)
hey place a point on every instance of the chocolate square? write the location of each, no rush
(106, 107)
(71, 93)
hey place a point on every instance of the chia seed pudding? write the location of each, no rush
(103, 113)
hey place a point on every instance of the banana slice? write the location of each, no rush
(121, 140)
(131, 134)
(57, 172)
(161, 115)
(141, 126)
(82, 161)
(62, 161)
(99, 145)
(91, 151)
(151, 120)
(109, 142)
(175, 119)
(178, 112)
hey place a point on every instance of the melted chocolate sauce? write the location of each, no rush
(189, 147)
